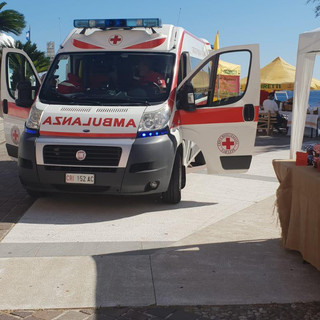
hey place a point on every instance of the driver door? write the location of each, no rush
(17, 71)
(219, 106)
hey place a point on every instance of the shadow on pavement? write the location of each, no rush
(242, 272)
(80, 209)
(277, 142)
(245, 272)
(14, 201)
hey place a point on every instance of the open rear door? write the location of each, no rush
(17, 72)
(220, 108)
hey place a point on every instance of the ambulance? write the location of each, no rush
(126, 107)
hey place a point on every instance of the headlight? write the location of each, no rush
(33, 121)
(155, 120)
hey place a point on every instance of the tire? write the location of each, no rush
(173, 194)
(199, 159)
(183, 177)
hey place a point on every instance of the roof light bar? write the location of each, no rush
(117, 23)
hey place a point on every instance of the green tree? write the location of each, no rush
(11, 21)
(40, 61)
(317, 8)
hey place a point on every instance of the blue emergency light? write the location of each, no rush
(117, 23)
(31, 131)
(146, 134)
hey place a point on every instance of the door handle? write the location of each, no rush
(5, 106)
(248, 112)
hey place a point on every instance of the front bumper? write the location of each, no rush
(145, 160)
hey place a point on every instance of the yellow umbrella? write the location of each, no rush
(279, 75)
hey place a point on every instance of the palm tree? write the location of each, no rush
(11, 21)
(317, 8)
(40, 61)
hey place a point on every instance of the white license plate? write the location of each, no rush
(81, 178)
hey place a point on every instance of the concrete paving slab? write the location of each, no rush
(220, 245)
(238, 260)
(68, 249)
(87, 219)
(75, 282)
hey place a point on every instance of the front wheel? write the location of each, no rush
(173, 194)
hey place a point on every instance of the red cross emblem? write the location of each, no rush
(228, 143)
(113, 40)
(15, 134)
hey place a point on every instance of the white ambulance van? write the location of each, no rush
(126, 106)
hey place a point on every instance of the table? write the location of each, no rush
(298, 203)
(312, 121)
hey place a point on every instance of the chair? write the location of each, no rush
(267, 122)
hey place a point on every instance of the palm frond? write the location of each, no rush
(11, 21)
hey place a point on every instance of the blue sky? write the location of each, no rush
(274, 24)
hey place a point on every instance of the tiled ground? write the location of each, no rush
(298, 311)
(14, 202)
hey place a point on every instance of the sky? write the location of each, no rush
(274, 24)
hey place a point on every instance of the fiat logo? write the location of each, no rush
(81, 155)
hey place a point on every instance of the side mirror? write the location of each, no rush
(24, 94)
(185, 98)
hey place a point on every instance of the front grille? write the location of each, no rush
(95, 155)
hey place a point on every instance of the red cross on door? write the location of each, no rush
(15, 134)
(115, 39)
(228, 143)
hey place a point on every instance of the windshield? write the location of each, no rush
(108, 78)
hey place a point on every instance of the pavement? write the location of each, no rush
(216, 255)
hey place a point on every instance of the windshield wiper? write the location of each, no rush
(145, 102)
(87, 101)
(133, 100)
(84, 99)
(74, 99)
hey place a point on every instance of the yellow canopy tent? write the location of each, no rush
(279, 75)
(228, 79)
(230, 69)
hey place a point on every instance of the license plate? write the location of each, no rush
(80, 178)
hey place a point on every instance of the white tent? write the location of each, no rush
(308, 48)
(6, 40)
